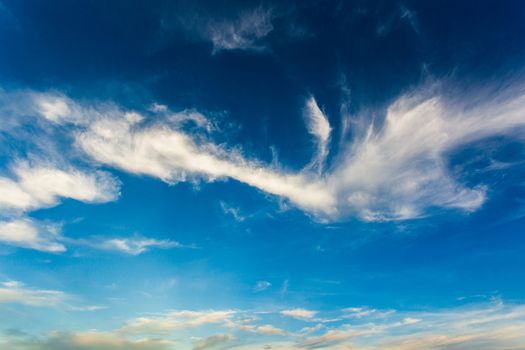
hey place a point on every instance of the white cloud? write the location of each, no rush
(53, 109)
(173, 320)
(42, 185)
(15, 292)
(361, 312)
(300, 314)
(393, 171)
(52, 106)
(400, 170)
(268, 329)
(389, 173)
(26, 233)
(483, 326)
(131, 246)
(319, 127)
(172, 155)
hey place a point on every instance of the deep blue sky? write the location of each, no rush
(241, 174)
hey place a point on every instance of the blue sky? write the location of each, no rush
(262, 175)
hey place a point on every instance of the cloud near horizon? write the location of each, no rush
(483, 326)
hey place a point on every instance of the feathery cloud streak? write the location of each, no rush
(319, 128)
(392, 172)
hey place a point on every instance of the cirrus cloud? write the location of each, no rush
(395, 170)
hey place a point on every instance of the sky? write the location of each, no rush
(273, 175)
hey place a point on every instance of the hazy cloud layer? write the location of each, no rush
(484, 326)
(83, 341)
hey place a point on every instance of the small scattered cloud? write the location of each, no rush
(16, 292)
(161, 324)
(362, 312)
(300, 314)
(233, 211)
(261, 286)
(213, 341)
(88, 308)
(131, 245)
(246, 32)
(245, 29)
(47, 237)
(268, 329)
(403, 15)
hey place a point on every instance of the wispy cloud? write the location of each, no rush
(47, 237)
(268, 329)
(42, 181)
(41, 185)
(173, 155)
(261, 286)
(243, 33)
(233, 211)
(131, 245)
(179, 319)
(392, 171)
(319, 128)
(402, 15)
(300, 314)
(482, 326)
(16, 292)
(27, 233)
(362, 312)
(245, 29)
(389, 173)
